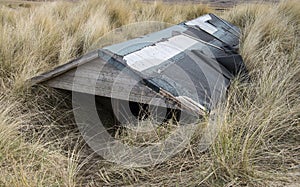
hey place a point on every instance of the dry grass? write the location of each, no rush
(39, 145)
(27, 163)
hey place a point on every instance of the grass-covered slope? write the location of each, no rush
(40, 146)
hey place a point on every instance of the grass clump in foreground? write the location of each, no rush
(258, 142)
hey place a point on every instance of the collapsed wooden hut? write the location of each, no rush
(188, 67)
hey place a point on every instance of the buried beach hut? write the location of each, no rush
(187, 67)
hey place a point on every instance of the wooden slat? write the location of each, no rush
(64, 68)
(94, 78)
(141, 97)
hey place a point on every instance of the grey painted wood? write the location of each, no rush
(101, 79)
(64, 68)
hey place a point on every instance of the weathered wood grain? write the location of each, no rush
(64, 68)
(102, 79)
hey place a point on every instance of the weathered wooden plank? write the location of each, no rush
(92, 77)
(64, 68)
(123, 87)
(135, 96)
(102, 79)
(85, 78)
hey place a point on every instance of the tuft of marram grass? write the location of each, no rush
(29, 164)
(258, 141)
